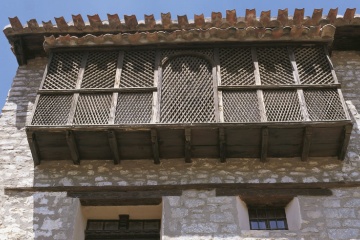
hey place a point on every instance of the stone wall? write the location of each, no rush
(38, 215)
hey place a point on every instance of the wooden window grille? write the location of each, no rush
(124, 228)
(269, 218)
(241, 106)
(187, 92)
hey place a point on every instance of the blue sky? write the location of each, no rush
(44, 10)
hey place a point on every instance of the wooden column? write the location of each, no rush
(188, 145)
(114, 146)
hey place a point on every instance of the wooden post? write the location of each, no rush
(264, 144)
(155, 146)
(114, 146)
(188, 145)
(345, 141)
(157, 84)
(219, 111)
(306, 144)
(33, 147)
(71, 141)
(222, 143)
(115, 95)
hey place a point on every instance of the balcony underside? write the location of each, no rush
(187, 141)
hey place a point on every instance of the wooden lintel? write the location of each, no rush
(264, 144)
(306, 143)
(222, 143)
(124, 195)
(33, 147)
(188, 145)
(155, 146)
(114, 146)
(345, 141)
(281, 192)
(71, 141)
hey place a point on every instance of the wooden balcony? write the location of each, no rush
(188, 141)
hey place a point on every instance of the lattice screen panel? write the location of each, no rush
(100, 70)
(282, 106)
(169, 52)
(138, 69)
(93, 109)
(63, 71)
(324, 104)
(134, 108)
(52, 110)
(187, 91)
(313, 65)
(236, 66)
(275, 66)
(241, 106)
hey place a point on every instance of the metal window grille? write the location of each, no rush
(324, 105)
(267, 219)
(63, 71)
(282, 106)
(275, 66)
(52, 110)
(236, 66)
(241, 106)
(93, 109)
(100, 70)
(187, 94)
(313, 65)
(138, 69)
(134, 108)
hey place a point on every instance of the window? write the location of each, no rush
(267, 218)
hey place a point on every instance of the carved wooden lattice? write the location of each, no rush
(282, 106)
(241, 106)
(63, 71)
(313, 65)
(134, 108)
(93, 109)
(138, 69)
(52, 110)
(324, 105)
(100, 70)
(187, 91)
(237, 67)
(275, 66)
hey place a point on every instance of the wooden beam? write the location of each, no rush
(114, 146)
(71, 141)
(33, 147)
(97, 90)
(155, 146)
(287, 87)
(345, 141)
(222, 145)
(306, 144)
(281, 192)
(264, 144)
(188, 145)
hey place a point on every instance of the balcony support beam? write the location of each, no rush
(306, 144)
(71, 141)
(264, 144)
(345, 141)
(33, 147)
(155, 146)
(114, 146)
(188, 145)
(222, 145)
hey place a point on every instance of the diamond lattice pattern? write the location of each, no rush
(275, 66)
(282, 106)
(138, 69)
(241, 106)
(236, 66)
(313, 65)
(134, 108)
(52, 110)
(187, 91)
(63, 71)
(100, 70)
(169, 52)
(93, 109)
(324, 105)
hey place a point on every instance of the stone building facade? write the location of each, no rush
(41, 202)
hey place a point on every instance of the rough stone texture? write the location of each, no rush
(195, 213)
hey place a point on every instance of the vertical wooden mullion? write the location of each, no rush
(78, 84)
(159, 86)
(259, 92)
(300, 92)
(157, 83)
(217, 82)
(115, 95)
